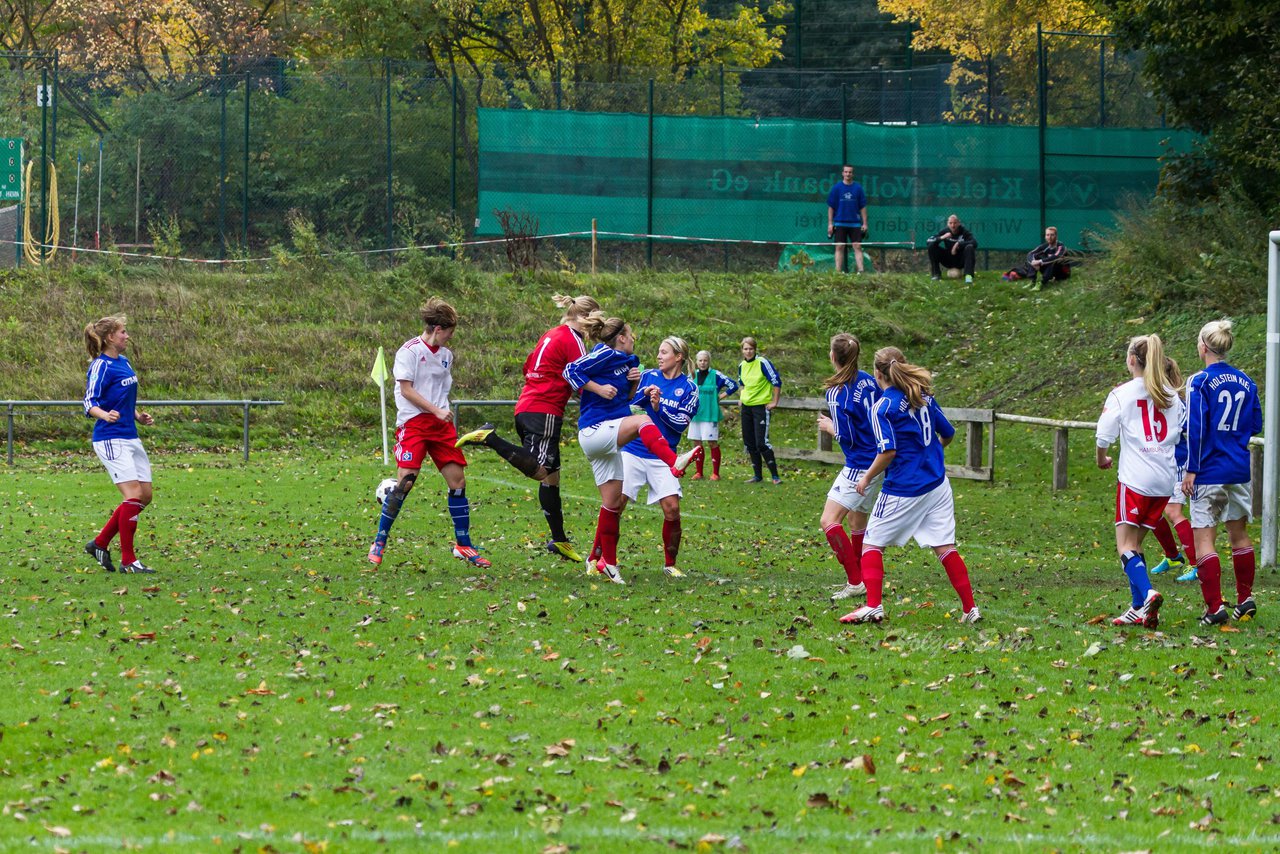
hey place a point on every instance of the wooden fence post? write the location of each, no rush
(1059, 459)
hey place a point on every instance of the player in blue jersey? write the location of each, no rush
(606, 378)
(110, 398)
(915, 499)
(670, 399)
(850, 395)
(1222, 414)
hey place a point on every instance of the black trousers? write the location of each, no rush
(755, 438)
(940, 257)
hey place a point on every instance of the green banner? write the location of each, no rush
(767, 179)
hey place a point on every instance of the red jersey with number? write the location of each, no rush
(1147, 437)
(545, 390)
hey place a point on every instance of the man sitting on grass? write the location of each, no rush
(1048, 260)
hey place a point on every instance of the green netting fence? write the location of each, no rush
(732, 178)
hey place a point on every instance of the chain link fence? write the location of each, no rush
(379, 154)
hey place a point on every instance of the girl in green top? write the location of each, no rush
(705, 424)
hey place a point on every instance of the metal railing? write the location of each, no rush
(11, 407)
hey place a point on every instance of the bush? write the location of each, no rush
(1169, 255)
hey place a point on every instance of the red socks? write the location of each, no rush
(1164, 536)
(844, 552)
(657, 445)
(124, 521)
(958, 573)
(1242, 562)
(873, 575)
(1209, 568)
(607, 533)
(671, 540)
(1188, 541)
(715, 461)
(699, 463)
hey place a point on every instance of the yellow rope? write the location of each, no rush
(30, 246)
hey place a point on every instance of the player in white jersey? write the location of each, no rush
(425, 427)
(1145, 414)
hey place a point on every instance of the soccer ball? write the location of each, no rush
(953, 272)
(384, 489)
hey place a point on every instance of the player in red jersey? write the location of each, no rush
(540, 416)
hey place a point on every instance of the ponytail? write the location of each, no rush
(575, 308)
(1148, 351)
(601, 328)
(95, 334)
(912, 380)
(845, 349)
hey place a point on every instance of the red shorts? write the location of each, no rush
(1134, 508)
(425, 434)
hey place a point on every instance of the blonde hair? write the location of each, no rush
(749, 340)
(1217, 337)
(1175, 376)
(437, 312)
(1148, 352)
(702, 353)
(912, 380)
(95, 334)
(601, 328)
(680, 347)
(845, 348)
(575, 308)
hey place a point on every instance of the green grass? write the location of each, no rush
(268, 691)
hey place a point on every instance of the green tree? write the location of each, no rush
(1214, 66)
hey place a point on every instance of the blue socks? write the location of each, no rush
(1135, 567)
(460, 512)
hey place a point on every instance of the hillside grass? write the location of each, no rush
(307, 334)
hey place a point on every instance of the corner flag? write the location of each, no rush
(379, 374)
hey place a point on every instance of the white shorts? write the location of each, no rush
(929, 518)
(655, 474)
(1216, 503)
(843, 493)
(704, 431)
(600, 443)
(125, 459)
(1178, 497)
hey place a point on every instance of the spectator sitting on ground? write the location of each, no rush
(1048, 260)
(954, 247)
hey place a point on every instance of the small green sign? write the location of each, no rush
(10, 170)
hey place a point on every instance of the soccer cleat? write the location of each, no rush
(715, 477)
(102, 556)
(1131, 617)
(610, 572)
(776, 480)
(1215, 618)
(968, 280)
(672, 572)
(1190, 575)
(865, 614)
(971, 616)
(470, 555)
(848, 592)
(564, 549)
(1151, 609)
(756, 479)
(375, 552)
(137, 567)
(1175, 563)
(682, 461)
(476, 436)
(1246, 610)
(697, 477)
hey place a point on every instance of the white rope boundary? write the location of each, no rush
(679, 238)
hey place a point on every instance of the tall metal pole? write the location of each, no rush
(44, 160)
(844, 124)
(244, 195)
(75, 219)
(53, 97)
(453, 146)
(799, 36)
(222, 160)
(1042, 92)
(386, 72)
(1102, 83)
(97, 223)
(649, 190)
(1271, 415)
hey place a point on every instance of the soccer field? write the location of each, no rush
(268, 687)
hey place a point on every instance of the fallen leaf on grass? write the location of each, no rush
(1093, 621)
(819, 801)
(863, 763)
(560, 748)
(60, 832)
(261, 690)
